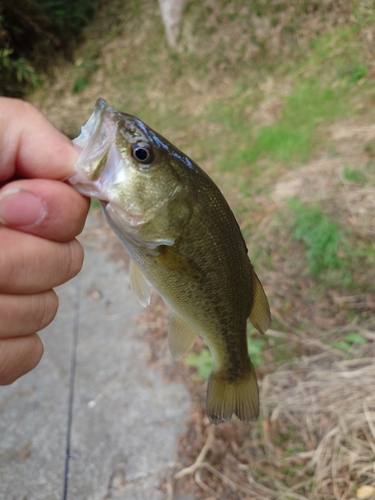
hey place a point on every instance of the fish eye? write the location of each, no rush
(142, 152)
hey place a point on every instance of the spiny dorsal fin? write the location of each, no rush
(260, 315)
(139, 284)
(180, 336)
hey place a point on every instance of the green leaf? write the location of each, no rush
(355, 338)
(342, 345)
(79, 84)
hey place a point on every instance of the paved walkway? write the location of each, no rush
(117, 423)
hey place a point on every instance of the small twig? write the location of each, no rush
(201, 484)
(295, 331)
(199, 464)
(202, 455)
(233, 486)
(369, 419)
(169, 489)
(300, 339)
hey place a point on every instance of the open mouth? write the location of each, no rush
(95, 140)
(90, 131)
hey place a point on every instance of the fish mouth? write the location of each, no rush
(100, 164)
(95, 141)
(89, 131)
(102, 171)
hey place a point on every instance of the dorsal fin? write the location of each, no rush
(260, 315)
(180, 336)
(139, 284)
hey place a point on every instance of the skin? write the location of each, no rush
(40, 216)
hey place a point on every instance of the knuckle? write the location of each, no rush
(76, 217)
(46, 309)
(74, 258)
(36, 351)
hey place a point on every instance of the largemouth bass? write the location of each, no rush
(184, 241)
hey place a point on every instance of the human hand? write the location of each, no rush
(40, 217)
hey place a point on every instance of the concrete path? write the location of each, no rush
(93, 421)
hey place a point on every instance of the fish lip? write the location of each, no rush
(92, 126)
(94, 142)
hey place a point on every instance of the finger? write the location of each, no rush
(30, 145)
(22, 315)
(18, 356)
(31, 265)
(50, 209)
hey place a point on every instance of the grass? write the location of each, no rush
(83, 71)
(321, 236)
(333, 253)
(355, 175)
(291, 138)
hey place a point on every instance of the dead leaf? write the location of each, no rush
(365, 492)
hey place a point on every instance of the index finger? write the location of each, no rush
(30, 146)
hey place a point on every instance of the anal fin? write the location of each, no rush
(180, 336)
(260, 315)
(139, 284)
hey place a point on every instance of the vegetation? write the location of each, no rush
(31, 33)
(321, 236)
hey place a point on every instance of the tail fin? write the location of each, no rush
(225, 397)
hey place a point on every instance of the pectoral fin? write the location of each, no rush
(139, 284)
(180, 336)
(184, 266)
(260, 315)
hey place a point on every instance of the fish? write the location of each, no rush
(184, 242)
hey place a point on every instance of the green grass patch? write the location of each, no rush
(333, 253)
(322, 237)
(313, 104)
(83, 71)
(355, 175)
(291, 139)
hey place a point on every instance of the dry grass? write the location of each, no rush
(316, 440)
(330, 404)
